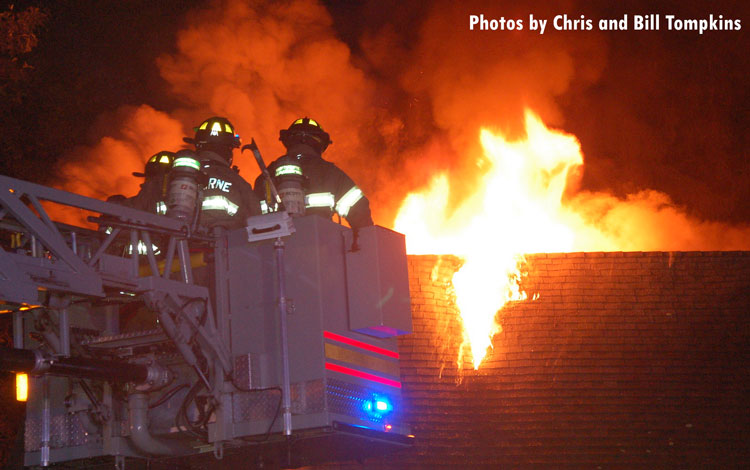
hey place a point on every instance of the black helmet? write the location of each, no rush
(215, 131)
(306, 131)
(158, 164)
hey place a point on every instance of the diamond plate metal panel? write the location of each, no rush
(65, 431)
(254, 406)
(33, 433)
(243, 373)
(58, 431)
(307, 397)
(77, 435)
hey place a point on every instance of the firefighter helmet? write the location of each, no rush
(158, 164)
(306, 131)
(215, 131)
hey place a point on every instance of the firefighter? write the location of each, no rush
(227, 198)
(328, 189)
(152, 195)
(151, 198)
(153, 190)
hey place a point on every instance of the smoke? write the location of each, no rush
(262, 65)
(647, 221)
(265, 64)
(403, 89)
(105, 169)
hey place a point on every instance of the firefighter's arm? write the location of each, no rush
(351, 203)
(359, 215)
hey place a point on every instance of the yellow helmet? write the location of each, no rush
(158, 164)
(215, 130)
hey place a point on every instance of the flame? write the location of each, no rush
(520, 206)
(515, 209)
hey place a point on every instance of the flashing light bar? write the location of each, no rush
(379, 405)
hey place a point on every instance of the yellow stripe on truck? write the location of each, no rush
(362, 360)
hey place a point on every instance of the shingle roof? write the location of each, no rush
(626, 360)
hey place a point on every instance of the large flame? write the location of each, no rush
(519, 206)
(515, 209)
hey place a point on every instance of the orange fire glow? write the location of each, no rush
(516, 209)
(520, 206)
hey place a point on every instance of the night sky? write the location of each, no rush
(403, 88)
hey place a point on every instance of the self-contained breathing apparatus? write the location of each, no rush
(290, 179)
(290, 194)
(185, 183)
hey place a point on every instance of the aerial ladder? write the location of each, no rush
(148, 338)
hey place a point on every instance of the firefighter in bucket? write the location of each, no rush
(153, 191)
(228, 200)
(328, 190)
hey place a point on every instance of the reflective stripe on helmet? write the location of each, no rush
(220, 203)
(288, 170)
(320, 200)
(216, 128)
(306, 120)
(348, 200)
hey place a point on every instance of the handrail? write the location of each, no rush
(83, 273)
(82, 202)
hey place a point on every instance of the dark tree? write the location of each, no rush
(18, 37)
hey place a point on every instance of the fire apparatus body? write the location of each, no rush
(274, 343)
